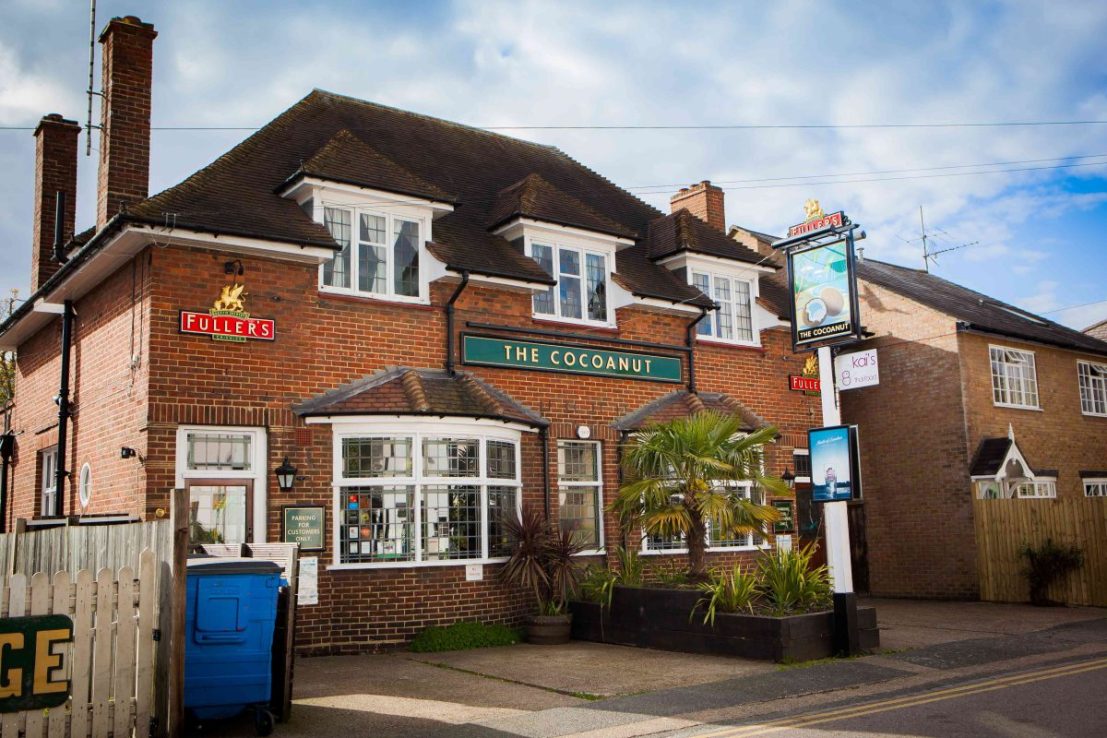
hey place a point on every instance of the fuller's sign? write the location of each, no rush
(569, 358)
(227, 319)
(803, 384)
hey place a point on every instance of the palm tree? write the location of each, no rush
(675, 469)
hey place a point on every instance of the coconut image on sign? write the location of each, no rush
(820, 288)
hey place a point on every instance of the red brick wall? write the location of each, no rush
(55, 171)
(1058, 435)
(914, 467)
(703, 200)
(322, 342)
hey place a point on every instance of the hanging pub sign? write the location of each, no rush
(835, 463)
(32, 671)
(227, 319)
(568, 358)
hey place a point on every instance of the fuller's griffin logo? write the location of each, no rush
(227, 319)
(812, 210)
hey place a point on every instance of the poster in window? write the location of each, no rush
(835, 471)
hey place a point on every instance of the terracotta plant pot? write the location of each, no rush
(549, 630)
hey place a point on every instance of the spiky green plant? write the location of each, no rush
(727, 591)
(674, 469)
(631, 569)
(790, 584)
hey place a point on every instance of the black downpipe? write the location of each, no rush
(544, 438)
(7, 450)
(450, 322)
(690, 342)
(59, 218)
(63, 408)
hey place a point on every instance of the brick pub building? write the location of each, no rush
(432, 323)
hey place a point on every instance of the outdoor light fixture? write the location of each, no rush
(286, 476)
(789, 478)
(127, 453)
(234, 267)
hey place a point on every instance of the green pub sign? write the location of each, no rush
(32, 662)
(569, 358)
(306, 526)
(786, 523)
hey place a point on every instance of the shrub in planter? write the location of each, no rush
(541, 560)
(1047, 564)
(732, 591)
(789, 583)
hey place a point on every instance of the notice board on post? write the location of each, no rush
(835, 463)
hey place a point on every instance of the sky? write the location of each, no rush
(1031, 237)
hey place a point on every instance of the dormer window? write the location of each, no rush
(733, 321)
(581, 293)
(379, 255)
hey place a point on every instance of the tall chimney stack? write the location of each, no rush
(703, 200)
(55, 172)
(128, 60)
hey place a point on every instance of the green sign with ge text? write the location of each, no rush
(32, 664)
(569, 358)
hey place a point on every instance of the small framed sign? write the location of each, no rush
(786, 523)
(835, 463)
(306, 525)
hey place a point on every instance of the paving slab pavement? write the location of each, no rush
(545, 691)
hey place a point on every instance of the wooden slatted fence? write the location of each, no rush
(110, 662)
(1003, 527)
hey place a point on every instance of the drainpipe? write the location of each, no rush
(63, 408)
(450, 321)
(7, 450)
(690, 342)
(544, 438)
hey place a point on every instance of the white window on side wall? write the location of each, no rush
(419, 494)
(1014, 378)
(48, 498)
(1095, 486)
(580, 491)
(84, 486)
(1093, 387)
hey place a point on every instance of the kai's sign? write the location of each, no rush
(227, 319)
(32, 671)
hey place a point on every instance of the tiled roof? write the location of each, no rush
(534, 197)
(989, 457)
(346, 158)
(973, 309)
(774, 293)
(683, 403)
(643, 278)
(237, 193)
(682, 231)
(424, 392)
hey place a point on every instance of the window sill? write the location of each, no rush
(592, 552)
(550, 320)
(684, 551)
(411, 564)
(1093, 415)
(346, 296)
(1007, 406)
(722, 342)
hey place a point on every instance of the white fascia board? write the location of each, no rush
(514, 285)
(52, 308)
(355, 195)
(379, 423)
(515, 228)
(162, 236)
(709, 263)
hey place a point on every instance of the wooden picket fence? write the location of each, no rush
(1003, 527)
(110, 661)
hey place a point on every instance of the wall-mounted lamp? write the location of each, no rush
(286, 476)
(789, 478)
(234, 267)
(127, 453)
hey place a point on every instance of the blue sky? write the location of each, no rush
(1039, 234)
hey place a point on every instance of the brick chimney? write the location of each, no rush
(128, 56)
(703, 200)
(55, 171)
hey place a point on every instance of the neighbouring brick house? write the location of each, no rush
(1098, 330)
(432, 323)
(977, 398)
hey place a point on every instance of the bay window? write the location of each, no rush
(733, 321)
(581, 293)
(379, 253)
(424, 497)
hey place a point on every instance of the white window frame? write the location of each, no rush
(1094, 386)
(713, 318)
(391, 217)
(84, 486)
(748, 486)
(1005, 395)
(557, 244)
(417, 431)
(1094, 486)
(805, 479)
(597, 485)
(1034, 489)
(48, 494)
(258, 471)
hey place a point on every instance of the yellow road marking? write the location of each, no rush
(908, 701)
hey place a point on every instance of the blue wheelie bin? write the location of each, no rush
(230, 615)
